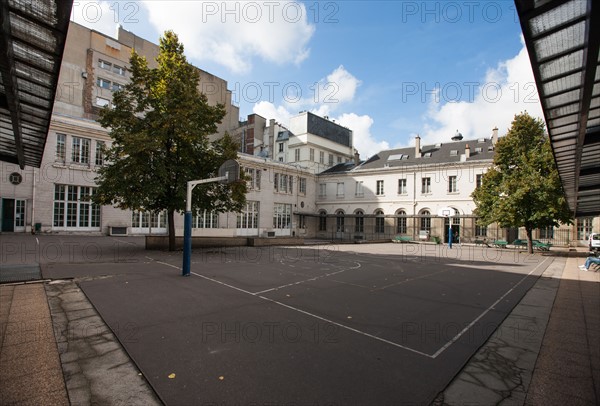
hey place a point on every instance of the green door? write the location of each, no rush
(8, 215)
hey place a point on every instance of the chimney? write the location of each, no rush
(417, 147)
(356, 158)
(467, 151)
(494, 136)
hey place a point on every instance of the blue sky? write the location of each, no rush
(389, 70)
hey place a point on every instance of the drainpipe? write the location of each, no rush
(33, 202)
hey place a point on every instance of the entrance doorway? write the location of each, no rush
(13, 215)
(455, 230)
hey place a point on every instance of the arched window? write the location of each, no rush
(425, 220)
(359, 223)
(322, 220)
(379, 221)
(339, 221)
(401, 222)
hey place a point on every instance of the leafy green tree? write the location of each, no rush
(523, 188)
(159, 124)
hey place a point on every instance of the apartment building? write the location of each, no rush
(305, 179)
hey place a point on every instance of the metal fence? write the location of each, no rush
(433, 228)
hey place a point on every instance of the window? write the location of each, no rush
(322, 189)
(248, 217)
(379, 188)
(322, 221)
(478, 179)
(359, 224)
(116, 86)
(312, 154)
(103, 83)
(478, 149)
(547, 232)
(104, 65)
(480, 231)
(253, 178)
(281, 147)
(297, 154)
(330, 159)
(379, 221)
(61, 147)
(302, 186)
(99, 153)
(339, 221)
(283, 183)
(149, 220)
(339, 159)
(81, 150)
(426, 185)
(425, 220)
(19, 213)
(119, 70)
(454, 152)
(452, 186)
(282, 215)
(584, 228)
(101, 101)
(402, 187)
(358, 189)
(280, 159)
(321, 157)
(340, 189)
(205, 219)
(401, 222)
(73, 207)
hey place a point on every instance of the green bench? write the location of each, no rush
(500, 243)
(481, 242)
(401, 238)
(542, 246)
(537, 244)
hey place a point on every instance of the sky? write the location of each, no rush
(388, 70)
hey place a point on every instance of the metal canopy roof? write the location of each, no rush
(32, 40)
(562, 38)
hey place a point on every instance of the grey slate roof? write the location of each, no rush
(430, 154)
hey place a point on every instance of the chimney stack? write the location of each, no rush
(494, 136)
(467, 151)
(356, 158)
(417, 147)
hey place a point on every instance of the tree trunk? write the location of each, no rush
(171, 219)
(529, 240)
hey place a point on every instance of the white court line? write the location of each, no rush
(435, 355)
(410, 280)
(307, 280)
(486, 311)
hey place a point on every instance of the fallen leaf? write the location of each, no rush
(172, 376)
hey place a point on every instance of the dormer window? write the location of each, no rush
(481, 140)
(454, 152)
(427, 155)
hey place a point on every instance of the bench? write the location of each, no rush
(519, 243)
(401, 238)
(500, 243)
(481, 242)
(542, 246)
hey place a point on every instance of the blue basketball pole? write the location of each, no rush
(449, 232)
(187, 225)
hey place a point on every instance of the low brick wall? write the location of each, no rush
(266, 242)
(161, 242)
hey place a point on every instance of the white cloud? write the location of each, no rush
(506, 90)
(342, 89)
(361, 131)
(96, 15)
(233, 33)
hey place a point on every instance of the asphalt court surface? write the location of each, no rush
(349, 324)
